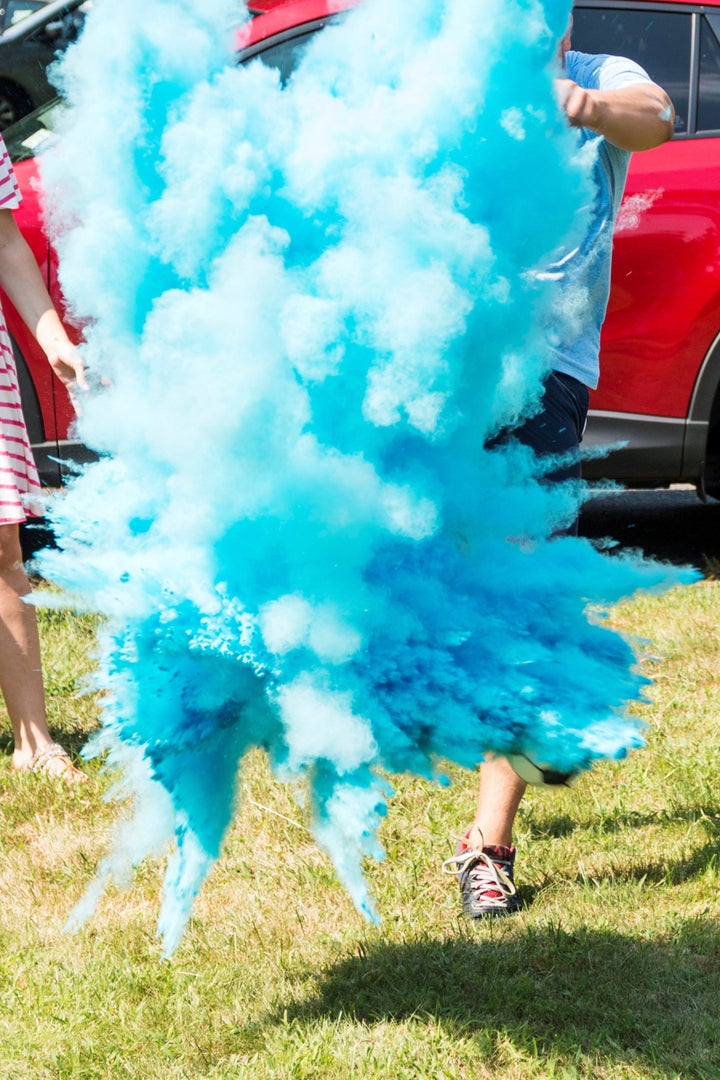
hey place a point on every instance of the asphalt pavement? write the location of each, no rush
(669, 524)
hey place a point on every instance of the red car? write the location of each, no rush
(660, 385)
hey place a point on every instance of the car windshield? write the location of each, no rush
(23, 138)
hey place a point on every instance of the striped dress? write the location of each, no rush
(19, 483)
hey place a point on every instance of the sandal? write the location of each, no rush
(53, 760)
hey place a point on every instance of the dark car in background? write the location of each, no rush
(32, 35)
(659, 391)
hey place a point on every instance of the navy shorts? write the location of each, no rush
(558, 427)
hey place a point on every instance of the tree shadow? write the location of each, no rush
(602, 995)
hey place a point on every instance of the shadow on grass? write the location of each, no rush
(695, 861)
(72, 738)
(559, 826)
(665, 872)
(600, 996)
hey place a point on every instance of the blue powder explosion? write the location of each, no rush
(311, 306)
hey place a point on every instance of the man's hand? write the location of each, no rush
(637, 117)
(577, 103)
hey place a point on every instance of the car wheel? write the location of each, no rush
(14, 104)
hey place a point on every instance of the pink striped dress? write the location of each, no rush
(19, 482)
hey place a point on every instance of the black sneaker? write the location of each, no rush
(485, 876)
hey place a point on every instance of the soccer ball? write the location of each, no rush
(537, 772)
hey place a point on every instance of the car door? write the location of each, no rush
(663, 314)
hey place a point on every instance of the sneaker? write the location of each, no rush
(485, 876)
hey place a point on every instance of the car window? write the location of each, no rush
(657, 40)
(709, 93)
(23, 138)
(15, 10)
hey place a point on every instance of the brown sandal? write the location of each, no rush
(53, 760)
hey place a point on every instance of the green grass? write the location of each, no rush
(612, 970)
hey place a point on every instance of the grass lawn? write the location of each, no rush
(612, 970)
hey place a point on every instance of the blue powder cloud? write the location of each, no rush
(313, 305)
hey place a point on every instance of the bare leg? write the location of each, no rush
(501, 791)
(21, 679)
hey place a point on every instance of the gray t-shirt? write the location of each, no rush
(583, 273)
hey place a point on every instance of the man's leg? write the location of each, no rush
(485, 858)
(556, 430)
(501, 791)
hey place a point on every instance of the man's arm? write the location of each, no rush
(636, 117)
